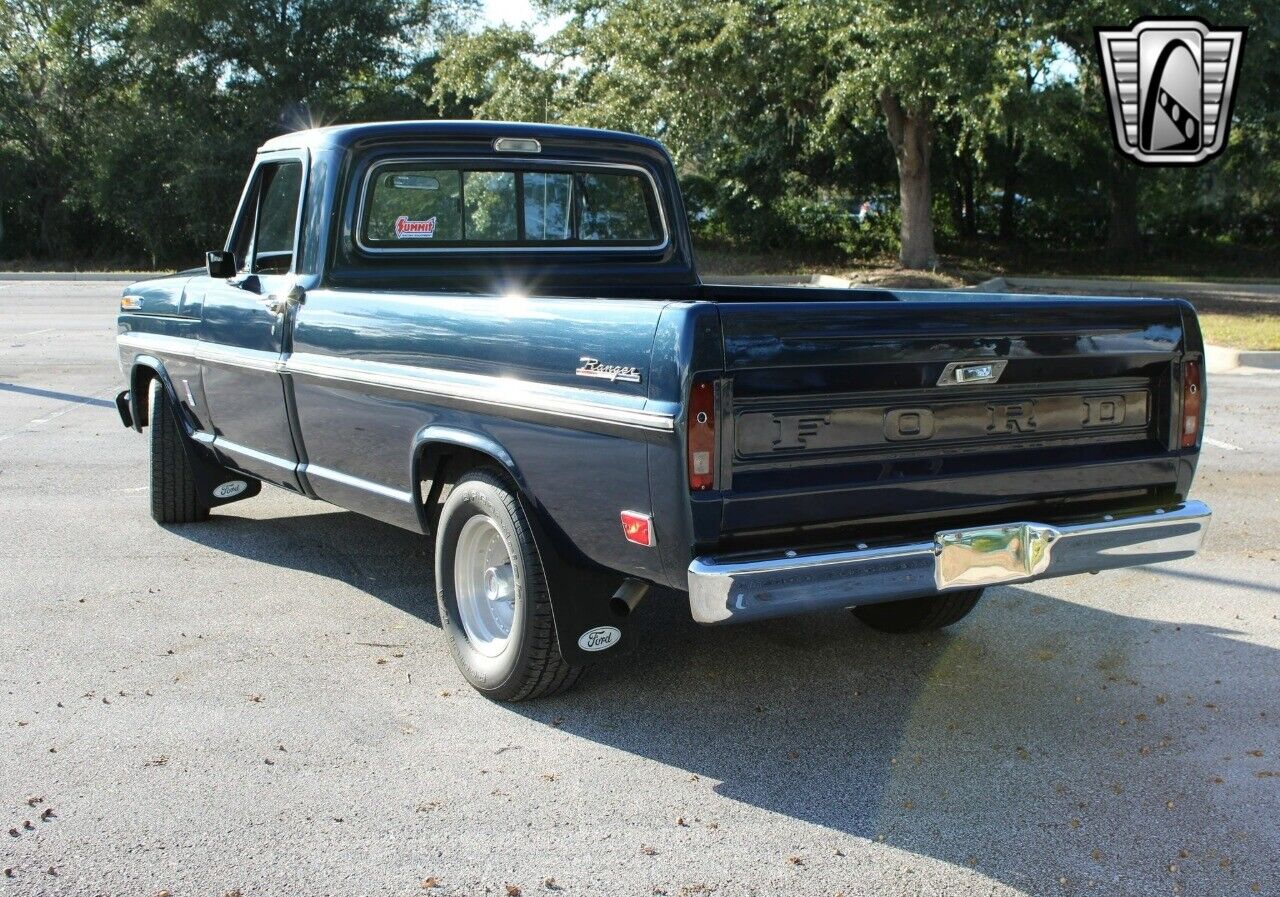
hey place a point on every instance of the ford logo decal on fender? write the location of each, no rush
(230, 488)
(600, 638)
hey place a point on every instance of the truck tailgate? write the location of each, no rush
(850, 416)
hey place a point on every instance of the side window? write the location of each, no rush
(279, 190)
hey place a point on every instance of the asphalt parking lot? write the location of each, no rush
(263, 703)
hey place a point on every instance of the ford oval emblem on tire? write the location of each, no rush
(600, 638)
(230, 489)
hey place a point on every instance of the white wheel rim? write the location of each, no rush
(484, 581)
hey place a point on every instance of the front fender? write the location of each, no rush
(145, 367)
(580, 590)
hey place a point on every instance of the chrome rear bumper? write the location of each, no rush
(734, 589)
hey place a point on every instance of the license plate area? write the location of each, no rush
(986, 555)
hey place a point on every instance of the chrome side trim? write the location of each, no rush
(476, 389)
(199, 350)
(725, 590)
(233, 356)
(234, 448)
(345, 479)
(181, 346)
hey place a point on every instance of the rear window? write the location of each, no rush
(418, 205)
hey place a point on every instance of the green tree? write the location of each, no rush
(917, 63)
(58, 67)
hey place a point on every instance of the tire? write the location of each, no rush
(919, 614)
(174, 496)
(481, 526)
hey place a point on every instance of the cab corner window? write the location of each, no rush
(408, 206)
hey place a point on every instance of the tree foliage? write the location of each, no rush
(867, 127)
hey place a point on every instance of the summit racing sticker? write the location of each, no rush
(408, 229)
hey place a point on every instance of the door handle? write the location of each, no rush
(278, 303)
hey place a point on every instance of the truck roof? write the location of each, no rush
(344, 136)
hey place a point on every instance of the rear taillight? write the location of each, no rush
(702, 436)
(1192, 396)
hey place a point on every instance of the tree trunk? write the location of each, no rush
(911, 138)
(1122, 200)
(1009, 183)
(957, 205)
(970, 206)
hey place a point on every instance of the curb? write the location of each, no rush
(1221, 359)
(1170, 289)
(781, 280)
(1269, 361)
(87, 276)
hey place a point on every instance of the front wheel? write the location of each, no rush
(493, 598)
(919, 614)
(175, 497)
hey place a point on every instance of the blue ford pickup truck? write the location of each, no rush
(495, 334)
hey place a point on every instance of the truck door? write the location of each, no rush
(246, 325)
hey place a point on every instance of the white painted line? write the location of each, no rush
(34, 333)
(40, 421)
(1218, 443)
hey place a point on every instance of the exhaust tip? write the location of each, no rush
(629, 594)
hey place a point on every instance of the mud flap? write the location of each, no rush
(217, 484)
(589, 630)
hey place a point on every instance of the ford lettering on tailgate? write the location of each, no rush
(763, 432)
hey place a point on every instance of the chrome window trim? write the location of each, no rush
(298, 154)
(539, 164)
(479, 389)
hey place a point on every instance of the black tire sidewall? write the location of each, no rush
(924, 614)
(482, 494)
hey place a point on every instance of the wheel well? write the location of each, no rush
(440, 467)
(140, 392)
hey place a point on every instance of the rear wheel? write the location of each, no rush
(919, 614)
(174, 496)
(494, 604)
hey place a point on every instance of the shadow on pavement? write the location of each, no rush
(1038, 741)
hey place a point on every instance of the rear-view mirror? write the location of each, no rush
(220, 264)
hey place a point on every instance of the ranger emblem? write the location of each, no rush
(591, 367)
